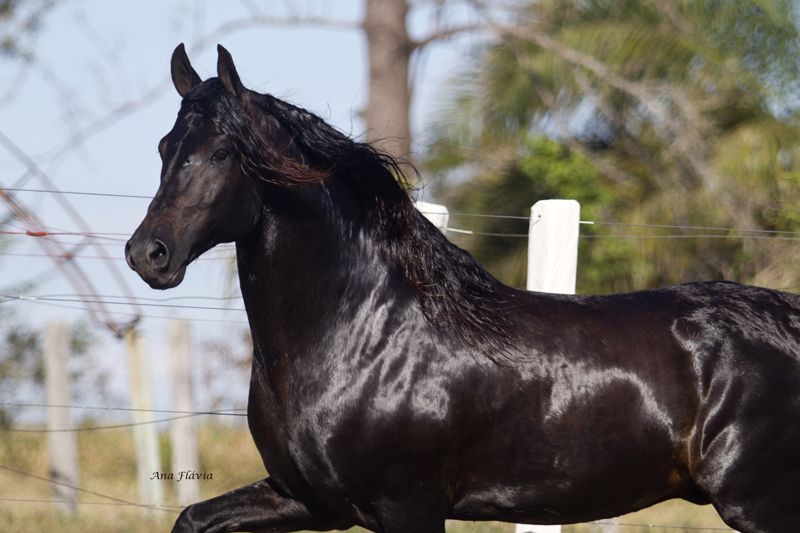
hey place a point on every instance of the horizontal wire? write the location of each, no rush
(80, 193)
(60, 233)
(136, 315)
(168, 299)
(704, 236)
(166, 507)
(623, 224)
(93, 428)
(706, 228)
(114, 237)
(160, 507)
(119, 500)
(478, 215)
(79, 256)
(756, 237)
(117, 237)
(693, 528)
(76, 300)
(470, 232)
(222, 412)
(686, 528)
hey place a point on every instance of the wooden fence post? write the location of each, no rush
(145, 437)
(63, 444)
(183, 434)
(552, 266)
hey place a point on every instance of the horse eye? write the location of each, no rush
(221, 154)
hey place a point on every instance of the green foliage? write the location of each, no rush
(545, 169)
(19, 22)
(22, 374)
(660, 113)
(21, 365)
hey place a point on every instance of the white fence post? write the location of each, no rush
(552, 261)
(552, 266)
(436, 213)
(183, 435)
(63, 444)
(553, 246)
(145, 437)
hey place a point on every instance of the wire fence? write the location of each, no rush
(183, 414)
(176, 508)
(227, 252)
(115, 500)
(63, 300)
(761, 232)
(235, 412)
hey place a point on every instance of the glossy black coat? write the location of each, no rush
(379, 399)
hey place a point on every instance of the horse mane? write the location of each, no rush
(453, 290)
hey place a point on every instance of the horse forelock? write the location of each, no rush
(264, 154)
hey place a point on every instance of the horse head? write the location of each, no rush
(204, 197)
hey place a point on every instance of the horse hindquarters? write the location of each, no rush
(760, 498)
(746, 447)
(755, 488)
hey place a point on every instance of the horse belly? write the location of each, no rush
(610, 453)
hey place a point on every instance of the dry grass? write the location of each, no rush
(108, 467)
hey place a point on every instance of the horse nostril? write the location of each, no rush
(158, 254)
(129, 256)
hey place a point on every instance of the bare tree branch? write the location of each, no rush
(26, 24)
(443, 34)
(125, 109)
(681, 134)
(16, 85)
(256, 20)
(669, 10)
(265, 20)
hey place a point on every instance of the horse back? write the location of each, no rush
(622, 401)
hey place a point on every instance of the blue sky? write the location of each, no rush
(92, 57)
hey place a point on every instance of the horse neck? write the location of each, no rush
(303, 275)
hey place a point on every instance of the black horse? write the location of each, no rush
(396, 384)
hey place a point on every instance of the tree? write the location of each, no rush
(385, 25)
(390, 48)
(22, 376)
(22, 22)
(685, 121)
(390, 73)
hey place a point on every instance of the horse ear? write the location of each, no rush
(183, 75)
(228, 75)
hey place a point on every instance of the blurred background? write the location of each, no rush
(674, 123)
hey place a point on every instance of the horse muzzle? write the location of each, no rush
(153, 258)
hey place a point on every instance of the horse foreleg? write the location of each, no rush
(257, 508)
